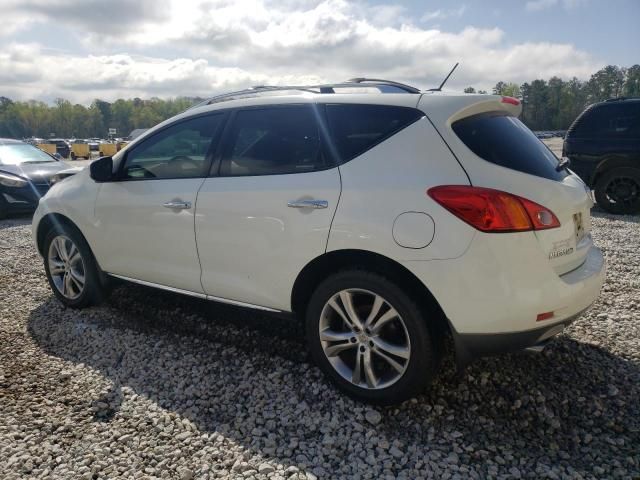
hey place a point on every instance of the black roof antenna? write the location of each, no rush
(444, 81)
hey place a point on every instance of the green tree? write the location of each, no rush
(631, 87)
(554, 100)
(511, 90)
(497, 90)
(606, 83)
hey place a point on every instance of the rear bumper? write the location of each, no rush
(493, 294)
(471, 346)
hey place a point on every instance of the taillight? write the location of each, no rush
(493, 211)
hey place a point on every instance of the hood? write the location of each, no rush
(36, 172)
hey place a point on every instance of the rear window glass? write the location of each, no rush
(614, 120)
(358, 128)
(506, 141)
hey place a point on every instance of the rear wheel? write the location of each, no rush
(618, 190)
(73, 156)
(370, 338)
(71, 269)
(4, 207)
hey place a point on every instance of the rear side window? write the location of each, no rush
(506, 141)
(358, 128)
(273, 141)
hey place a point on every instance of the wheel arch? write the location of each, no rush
(49, 221)
(611, 162)
(331, 262)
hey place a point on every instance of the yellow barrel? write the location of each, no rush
(47, 147)
(108, 149)
(80, 150)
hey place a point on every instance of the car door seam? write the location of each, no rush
(335, 210)
(195, 232)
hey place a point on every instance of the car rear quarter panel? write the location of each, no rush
(390, 179)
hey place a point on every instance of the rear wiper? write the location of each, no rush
(563, 164)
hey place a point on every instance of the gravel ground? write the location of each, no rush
(152, 385)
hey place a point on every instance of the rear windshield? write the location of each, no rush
(504, 140)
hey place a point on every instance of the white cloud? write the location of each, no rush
(442, 14)
(198, 48)
(538, 5)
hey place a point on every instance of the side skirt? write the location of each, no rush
(196, 294)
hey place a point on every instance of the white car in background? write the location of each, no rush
(383, 217)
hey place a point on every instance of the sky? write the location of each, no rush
(86, 49)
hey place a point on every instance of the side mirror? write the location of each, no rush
(101, 170)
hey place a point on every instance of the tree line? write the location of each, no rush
(555, 103)
(66, 120)
(550, 104)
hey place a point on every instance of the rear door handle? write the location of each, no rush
(177, 204)
(308, 204)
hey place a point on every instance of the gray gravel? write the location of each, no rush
(153, 385)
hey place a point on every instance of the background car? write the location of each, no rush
(94, 144)
(603, 145)
(62, 146)
(26, 173)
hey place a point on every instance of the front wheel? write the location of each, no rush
(618, 190)
(370, 338)
(71, 269)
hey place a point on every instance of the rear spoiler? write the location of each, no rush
(446, 109)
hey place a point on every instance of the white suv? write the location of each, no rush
(384, 217)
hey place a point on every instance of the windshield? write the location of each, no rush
(18, 153)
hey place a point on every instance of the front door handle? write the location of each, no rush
(308, 204)
(177, 204)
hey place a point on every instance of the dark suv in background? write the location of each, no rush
(603, 145)
(62, 146)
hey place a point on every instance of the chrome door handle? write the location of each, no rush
(308, 204)
(177, 204)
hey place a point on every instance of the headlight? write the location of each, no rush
(9, 180)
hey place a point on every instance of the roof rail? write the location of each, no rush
(378, 81)
(247, 91)
(317, 89)
(620, 99)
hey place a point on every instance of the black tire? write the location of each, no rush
(618, 190)
(93, 292)
(73, 156)
(423, 359)
(4, 208)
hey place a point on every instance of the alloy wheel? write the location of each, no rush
(66, 267)
(364, 338)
